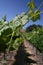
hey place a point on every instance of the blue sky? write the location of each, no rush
(11, 8)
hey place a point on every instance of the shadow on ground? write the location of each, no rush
(22, 57)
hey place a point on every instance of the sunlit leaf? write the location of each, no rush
(30, 13)
(36, 16)
(17, 42)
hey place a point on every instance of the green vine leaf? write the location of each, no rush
(36, 17)
(32, 5)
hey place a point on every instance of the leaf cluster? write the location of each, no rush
(35, 36)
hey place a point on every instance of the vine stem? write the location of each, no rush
(10, 42)
(33, 16)
(40, 5)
